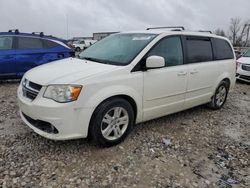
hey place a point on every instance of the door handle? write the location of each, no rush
(182, 73)
(194, 71)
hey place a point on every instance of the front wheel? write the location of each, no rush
(220, 96)
(78, 49)
(111, 122)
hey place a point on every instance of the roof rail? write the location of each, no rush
(14, 30)
(204, 31)
(38, 33)
(176, 28)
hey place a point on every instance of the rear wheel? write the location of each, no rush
(111, 122)
(220, 96)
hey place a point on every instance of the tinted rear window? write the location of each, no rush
(223, 50)
(29, 43)
(199, 49)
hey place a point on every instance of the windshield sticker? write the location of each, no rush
(142, 38)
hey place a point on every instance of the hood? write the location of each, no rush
(66, 71)
(244, 60)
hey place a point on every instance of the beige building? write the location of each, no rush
(101, 35)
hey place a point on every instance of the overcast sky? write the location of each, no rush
(88, 16)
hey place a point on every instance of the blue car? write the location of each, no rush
(20, 52)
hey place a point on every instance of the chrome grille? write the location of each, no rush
(245, 77)
(30, 89)
(246, 67)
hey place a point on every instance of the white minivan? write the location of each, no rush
(124, 79)
(243, 70)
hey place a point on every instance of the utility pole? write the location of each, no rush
(248, 30)
(67, 22)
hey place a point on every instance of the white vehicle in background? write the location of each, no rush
(82, 44)
(124, 79)
(243, 69)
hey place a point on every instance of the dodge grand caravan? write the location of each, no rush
(124, 79)
(243, 71)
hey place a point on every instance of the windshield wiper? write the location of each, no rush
(96, 60)
(91, 59)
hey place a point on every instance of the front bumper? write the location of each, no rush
(68, 119)
(243, 75)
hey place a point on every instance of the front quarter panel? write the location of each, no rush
(129, 84)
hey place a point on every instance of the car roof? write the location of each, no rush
(32, 35)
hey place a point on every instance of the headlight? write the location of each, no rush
(62, 93)
(238, 64)
(23, 81)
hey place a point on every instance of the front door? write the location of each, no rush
(29, 54)
(164, 88)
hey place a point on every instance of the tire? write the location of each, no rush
(220, 96)
(78, 49)
(111, 122)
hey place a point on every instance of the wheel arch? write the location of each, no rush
(224, 77)
(123, 96)
(227, 80)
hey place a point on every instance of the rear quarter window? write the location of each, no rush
(199, 49)
(223, 49)
(49, 44)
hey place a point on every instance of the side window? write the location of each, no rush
(6, 43)
(170, 49)
(199, 49)
(223, 50)
(29, 43)
(49, 44)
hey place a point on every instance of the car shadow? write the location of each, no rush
(87, 143)
(242, 82)
(15, 81)
(177, 118)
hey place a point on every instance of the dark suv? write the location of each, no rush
(20, 52)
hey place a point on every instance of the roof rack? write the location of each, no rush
(176, 28)
(204, 31)
(16, 31)
(38, 33)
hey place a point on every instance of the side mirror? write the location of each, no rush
(155, 62)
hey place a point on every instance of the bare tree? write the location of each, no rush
(238, 33)
(220, 32)
(234, 29)
(242, 39)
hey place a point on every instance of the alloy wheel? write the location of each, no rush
(220, 96)
(114, 123)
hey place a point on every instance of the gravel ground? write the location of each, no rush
(195, 148)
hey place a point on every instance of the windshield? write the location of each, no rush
(247, 54)
(119, 49)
